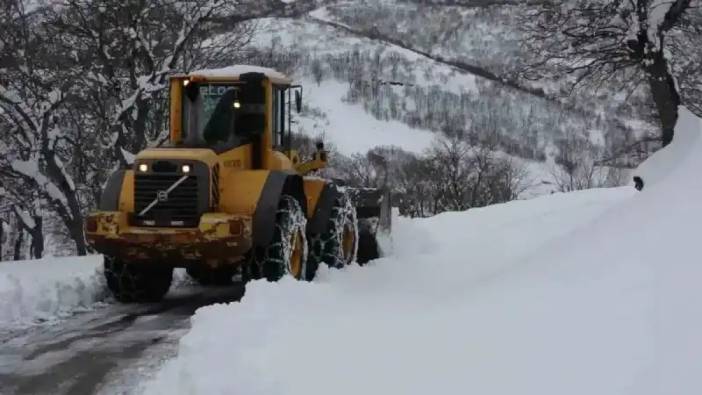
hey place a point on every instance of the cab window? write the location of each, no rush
(222, 116)
(279, 117)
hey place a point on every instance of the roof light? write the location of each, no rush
(185, 169)
(143, 167)
(186, 82)
(237, 104)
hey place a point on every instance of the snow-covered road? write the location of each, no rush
(109, 350)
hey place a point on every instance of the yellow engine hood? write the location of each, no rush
(198, 154)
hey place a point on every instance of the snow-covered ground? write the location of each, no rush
(47, 289)
(592, 292)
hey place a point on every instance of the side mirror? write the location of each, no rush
(298, 101)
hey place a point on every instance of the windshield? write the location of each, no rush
(221, 116)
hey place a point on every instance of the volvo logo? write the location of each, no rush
(162, 196)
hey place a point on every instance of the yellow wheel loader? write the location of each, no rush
(228, 197)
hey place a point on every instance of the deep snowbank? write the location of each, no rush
(585, 293)
(40, 290)
(400, 325)
(664, 162)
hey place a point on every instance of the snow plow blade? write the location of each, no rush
(373, 211)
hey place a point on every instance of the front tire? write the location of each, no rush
(287, 253)
(137, 283)
(338, 246)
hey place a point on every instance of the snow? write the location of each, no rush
(665, 162)
(67, 177)
(322, 14)
(321, 39)
(238, 70)
(48, 289)
(30, 169)
(128, 156)
(350, 128)
(656, 16)
(590, 292)
(24, 216)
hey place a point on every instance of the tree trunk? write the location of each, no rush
(2, 237)
(78, 236)
(37, 248)
(70, 212)
(18, 244)
(665, 96)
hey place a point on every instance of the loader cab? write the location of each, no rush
(236, 114)
(220, 115)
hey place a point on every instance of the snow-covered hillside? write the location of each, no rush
(366, 87)
(350, 128)
(582, 293)
(369, 43)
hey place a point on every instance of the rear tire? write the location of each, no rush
(287, 253)
(207, 276)
(137, 283)
(338, 246)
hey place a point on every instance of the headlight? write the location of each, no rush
(185, 169)
(143, 167)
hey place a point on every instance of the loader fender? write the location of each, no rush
(278, 183)
(320, 217)
(109, 199)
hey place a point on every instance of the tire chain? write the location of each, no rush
(271, 261)
(137, 282)
(328, 247)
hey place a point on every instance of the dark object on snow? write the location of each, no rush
(373, 210)
(638, 183)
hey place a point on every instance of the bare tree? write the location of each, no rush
(464, 176)
(451, 171)
(413, 188)
(81, 89)
(129, 49)
(577, 164)
(36, 84)
(623, 42)
(27, 210)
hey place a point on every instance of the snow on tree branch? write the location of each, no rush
(621, 42)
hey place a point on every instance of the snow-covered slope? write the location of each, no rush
(583, 293)
(350, 128)
(41, 290)
(430, 54)
(362, 91)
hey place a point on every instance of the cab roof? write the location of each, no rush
(233, 72)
